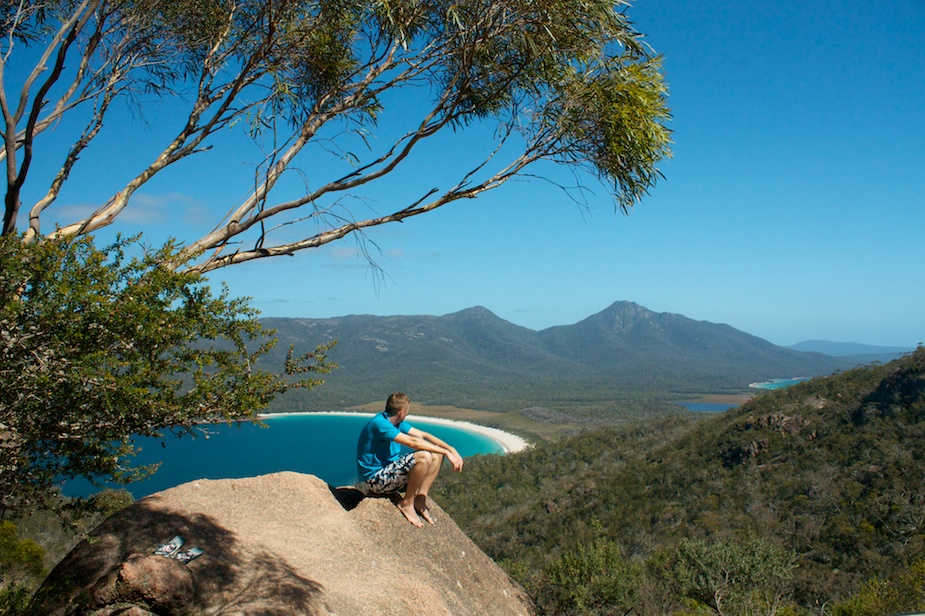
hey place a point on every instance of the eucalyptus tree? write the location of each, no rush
(568, 81)
(337, 97)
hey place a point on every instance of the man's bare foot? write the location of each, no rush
(420, 505)
(410, 514)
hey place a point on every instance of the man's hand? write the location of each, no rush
(455, 459)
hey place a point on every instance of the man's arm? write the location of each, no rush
(418, 439)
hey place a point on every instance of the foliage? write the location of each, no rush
(751, 577)
(97, 346)
(905, 593)
(14, 600)
(57, 529)
(104, 503)
(824, 475)
(21, 567)
(18, 557)
(595, 579)
(564, 82)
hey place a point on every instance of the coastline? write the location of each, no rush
(509, 443)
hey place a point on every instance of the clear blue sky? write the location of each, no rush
(793, 209)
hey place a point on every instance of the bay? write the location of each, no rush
(707, 407)
(321, 444)
(779, 383)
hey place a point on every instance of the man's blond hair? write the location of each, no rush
(397, 403)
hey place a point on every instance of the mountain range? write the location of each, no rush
(475, 359)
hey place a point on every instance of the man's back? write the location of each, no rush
(376, 446)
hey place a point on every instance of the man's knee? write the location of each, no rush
(427, 458)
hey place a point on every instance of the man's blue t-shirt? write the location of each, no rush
(376, 447)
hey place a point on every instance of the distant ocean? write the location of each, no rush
(715, 407)
(779, 383)
(319, 444)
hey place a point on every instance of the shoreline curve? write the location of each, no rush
(509, 443)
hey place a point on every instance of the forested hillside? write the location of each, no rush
(625, 357)
(823, 481)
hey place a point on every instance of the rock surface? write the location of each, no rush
(284, 543)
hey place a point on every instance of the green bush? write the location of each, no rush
(14, 600)
(19, 557)
(21, 568)
(97, 346)
(904, 594)
(595, 579)
(751, 577)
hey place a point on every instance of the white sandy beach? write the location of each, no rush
(510, 443)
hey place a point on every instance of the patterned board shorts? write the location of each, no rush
(393, 477)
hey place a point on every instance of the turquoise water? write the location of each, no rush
(707, 407)
(321, 445)
(779, 383)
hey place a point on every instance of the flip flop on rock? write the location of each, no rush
(187, 555)
(170, 548)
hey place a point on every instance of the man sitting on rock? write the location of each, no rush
(382, 467)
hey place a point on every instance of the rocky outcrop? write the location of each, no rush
(284, 543)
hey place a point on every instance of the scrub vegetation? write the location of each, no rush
(804, 500)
